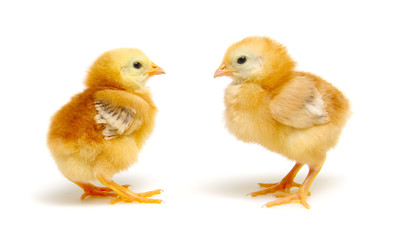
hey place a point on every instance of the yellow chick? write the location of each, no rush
(296, 114)
(101, 130)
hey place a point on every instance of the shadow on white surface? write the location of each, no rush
(65, 194)
(239, 187)
(209, 189)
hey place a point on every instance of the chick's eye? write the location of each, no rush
(137, 65)
(241, 60)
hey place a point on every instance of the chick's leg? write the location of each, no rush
(301, 195)
(284, 185)
(126, 195)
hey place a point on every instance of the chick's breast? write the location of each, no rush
(247, 115)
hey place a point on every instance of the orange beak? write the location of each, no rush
(155, 70)
(223, 71)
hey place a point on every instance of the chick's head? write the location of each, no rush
(125, 68)
(256, 59)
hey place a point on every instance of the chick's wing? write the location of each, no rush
(299, 104)
(116, 119)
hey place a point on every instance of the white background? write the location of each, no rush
(46, 48)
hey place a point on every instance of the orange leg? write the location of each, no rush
(126, 195)
(284, 185)
(301, 195)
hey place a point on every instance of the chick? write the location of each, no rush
(296, 114)
(101, 130)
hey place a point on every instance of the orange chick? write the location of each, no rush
(296, 114)
(101, 130)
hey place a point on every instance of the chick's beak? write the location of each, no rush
(155, 70)
(222, 71)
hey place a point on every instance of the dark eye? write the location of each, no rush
(241, 60)
(137, 65)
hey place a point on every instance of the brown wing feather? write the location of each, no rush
(299, 104)
(116, 119)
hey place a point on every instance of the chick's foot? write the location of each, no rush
(126, 195)
(283, 186)
(137, 197)
(299, 197)
(275, 187)
(92, 190)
